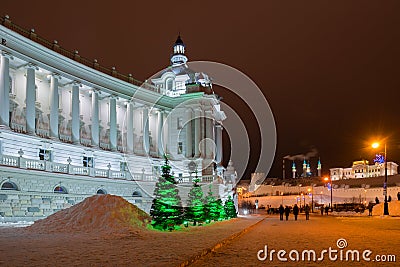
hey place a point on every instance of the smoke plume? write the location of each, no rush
(312, 153)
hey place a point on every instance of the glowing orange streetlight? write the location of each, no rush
(385, 205)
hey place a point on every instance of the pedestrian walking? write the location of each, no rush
(322, 210)
(370, 207)
(326, 210)
(295, 211)
(281, 211)
(307, 211)
(287, 212)
(376, 200)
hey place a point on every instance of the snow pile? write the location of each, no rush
(100, 214)
(394, 208)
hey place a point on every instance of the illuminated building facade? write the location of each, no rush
(362, 169)
(83, 129)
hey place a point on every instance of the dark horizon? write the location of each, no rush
(328, 70)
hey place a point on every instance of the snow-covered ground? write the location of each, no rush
(88, 235)
(107, 231)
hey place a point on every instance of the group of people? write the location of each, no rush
(324, 208)
(286, 211)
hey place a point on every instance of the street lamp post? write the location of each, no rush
(385, 204)
(312, 197)
(330, 182)
(301, 196)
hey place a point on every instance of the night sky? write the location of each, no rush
(329, 69)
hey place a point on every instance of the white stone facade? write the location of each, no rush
(73, 120)
(362, 169)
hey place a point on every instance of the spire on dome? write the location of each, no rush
(178, 56)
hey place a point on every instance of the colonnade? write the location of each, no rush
(199, 123)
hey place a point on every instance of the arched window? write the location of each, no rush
(137, 194)
(60, 190)
(9, 186)
(101, 192)
(170, 83)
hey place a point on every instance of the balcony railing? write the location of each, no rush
(31, 34)
(55, 167)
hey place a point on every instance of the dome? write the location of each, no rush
(178, 78)
(179, 41)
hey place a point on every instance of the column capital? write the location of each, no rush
(6, 54)
(55, 76)
(113, 96)
(73, 83)
(77, 83)
(31, 65)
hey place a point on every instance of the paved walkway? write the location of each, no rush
(380, 235)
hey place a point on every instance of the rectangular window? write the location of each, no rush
(44, 154)
(180, 147)
(88, 161)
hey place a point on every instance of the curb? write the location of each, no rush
(225, 241)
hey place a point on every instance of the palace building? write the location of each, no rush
(70, 128)
(362, 169)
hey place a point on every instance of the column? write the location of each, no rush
(5, 89)
(146, 141)
(197, 132)
(129, 127)
(113, 123)
(75, 114)
(167, 133)
(209, 135)
(189, 142)
(54, 106)
(95, 118)
(30, 98)
(218, 139)
(160, 147)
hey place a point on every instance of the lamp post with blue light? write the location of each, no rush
(385, 204)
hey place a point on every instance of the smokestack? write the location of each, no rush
(283, 169)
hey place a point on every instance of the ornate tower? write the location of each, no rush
(319, 168)
(308, 170)
(304, 168)
(178, 57)
(294, 170)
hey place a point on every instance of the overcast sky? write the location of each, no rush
(329, 69)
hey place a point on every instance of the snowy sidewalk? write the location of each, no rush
(380, 235)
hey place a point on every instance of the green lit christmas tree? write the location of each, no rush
(214, 208)
(166, 209)
(195, 211)
(230, 209)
